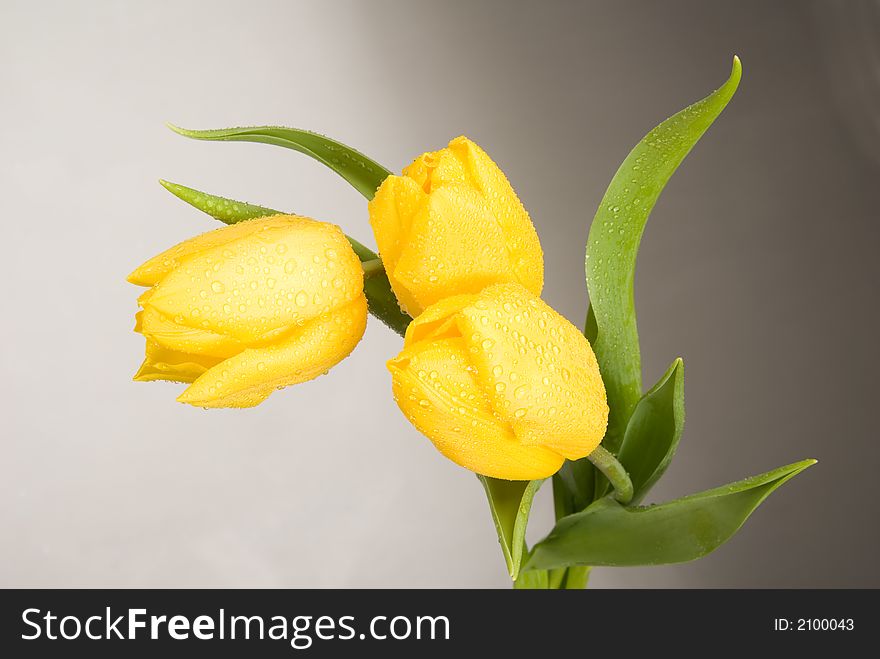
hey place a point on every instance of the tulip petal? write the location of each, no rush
(539, 371)
(438, 321)
(520, 236)
(437, 169)
(261, 283)
(454, 246)
(439, 395)
(249, 377)
(164, 364)
(180, 338)
(397, 200)
(155, 269)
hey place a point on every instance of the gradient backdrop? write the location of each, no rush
(758, 267)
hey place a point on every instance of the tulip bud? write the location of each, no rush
(452, 224)
(501, 384)
(246, 309)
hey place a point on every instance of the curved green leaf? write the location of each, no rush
(653, 431)
(228, 211)
(614, 241)
(383, 305)
(364, 173)
(607, 533)
(510, 503)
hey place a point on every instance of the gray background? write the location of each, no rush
(758, 267)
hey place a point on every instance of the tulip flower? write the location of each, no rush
(501, 384)
(246, 309)
(452, 224)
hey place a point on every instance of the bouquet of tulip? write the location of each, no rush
(501, 383)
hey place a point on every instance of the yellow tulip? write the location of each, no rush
(246, 309)
(452, 224)
(501, 384)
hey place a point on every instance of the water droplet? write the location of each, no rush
(290, 266)
(301, 299)
(218, 286)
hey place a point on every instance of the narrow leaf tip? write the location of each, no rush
(736, 70)
(176, 129)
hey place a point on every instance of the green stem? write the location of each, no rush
(577, 577)
(372, 268)
(605, 462)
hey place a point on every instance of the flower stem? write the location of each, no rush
(372, 268)
(577, 577)
(605, 462)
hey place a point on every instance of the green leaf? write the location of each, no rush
(573, 486)
(228, 211)
(653, 431)
(364, 173)
(534, 580)
(607, 533)
(590, 328)
(614, 241)
(510, 503)
(556, 579)
(382, 302)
